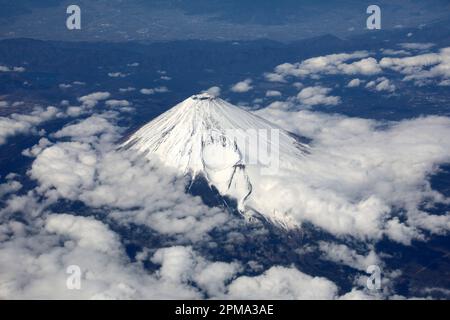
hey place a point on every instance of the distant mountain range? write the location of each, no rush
(286, 20)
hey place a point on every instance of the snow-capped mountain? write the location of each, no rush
(232, 148)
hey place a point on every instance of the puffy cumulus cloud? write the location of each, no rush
(97, 126)
(36, 149)
(35, 258)
(329, 64)
(128, 89)
(274, 77)
(311, 96)
(273, 93)
(421, 68)
(88, 102)
(75, 111)
(385, 85)
(354, 83)
(381, 84)
(11, 69)
(356, 294)
(359, 174)
(151, 91)
(92, 170)
(9, 187)
(242, 86)
(147, 91)
(213, 91)
(117, 103)
(117, 75)
(87, 232)
(367, 66)
(36, 251)
(65, 86)
(25, 123)
(65, 169)
(183, 265)
(416, 46)
(213, 277)
(392, 52)
(342, 254)
(122, 105)
(282, 283)
(91, 100)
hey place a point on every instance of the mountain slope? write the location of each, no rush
(232, 148)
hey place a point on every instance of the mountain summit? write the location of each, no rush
(231, 148)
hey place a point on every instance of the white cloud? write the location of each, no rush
(9, 187)
(88, 233)
(88, 130)
(154, 90)
(358, 174)
(91, 100)
(135, 191)
(416, 46)
(311, 96)
(213, 277)
(51, 169)
(36, 149)
(35, 259)
(342, 254)
(25, 123)
(282, 283)
(242, 86)
(385, 85)
(117, 103)
(143, 193)
(392, 52)
(419, 68)
(273, 93)
(367, 66)
(329, 64)
(354, 83)
(117, 75)
(214, 91)
(381, 84)
(274, 77)
(75, 111)
(423, 67)
(147, 91)
(128, 89)
(161, 89)
(11, 69)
